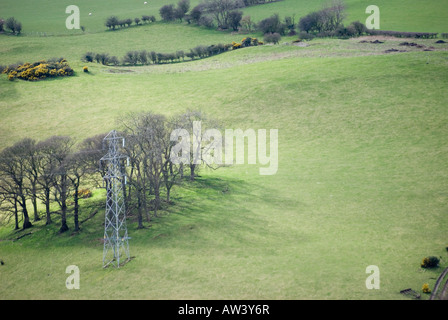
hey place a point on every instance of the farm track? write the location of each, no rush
(444, 293)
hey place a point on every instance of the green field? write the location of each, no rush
(363, 153)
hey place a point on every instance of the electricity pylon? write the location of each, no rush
(116, 245)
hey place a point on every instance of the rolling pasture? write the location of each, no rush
(363, 153)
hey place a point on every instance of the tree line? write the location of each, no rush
(113, 22)
(54, 171)
(144, 57)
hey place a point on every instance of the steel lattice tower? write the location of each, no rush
(116, 246)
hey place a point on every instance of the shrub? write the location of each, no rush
(206, 21)
(236, 45)
(246, 42)
(122, 23)
(272, 37)
(290, 23)
(114, 61)
(310, 23)
(2, 24)
(430, 262)
(112, 22)
(247, 23)
(131, 57)
(234, 18)
(183, 6)
(359, 28)
(167, 12)
(13, 25)
(445, 35)
(425, 288)
(102, 58)
(196, 13)
(39, 70)
(272, 25)
(84, 193)
(88, 57)
(85, 69)
(153, 56)
(180, 55)
(178, 14)
(137, 21)
(305, 36)
(18, 27)
(143, 57)
(327, 19)
(345, 32)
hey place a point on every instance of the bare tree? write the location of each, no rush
(61, 173)
(137, 175)
(13, 169)
(171, 172)
(247, 23)
(332, 14)
(46, 156)
(148, 147)
(76, 165)
(221, 9)
(186, 121)
(151, 136)
(82, 164)
(9, 203)
(95, 149)
(32, 171)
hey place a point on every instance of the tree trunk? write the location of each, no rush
(26, 219)
(36, 215)
(47, 206)
(192, 168)
(168, 191)
(139, 210)
(157, 197)
(16, 215)
(75, 213)
(64, 226)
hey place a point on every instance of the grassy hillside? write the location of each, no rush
(49, 16)
(361, 178)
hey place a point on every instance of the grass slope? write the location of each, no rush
(361, 179)
(49, 16)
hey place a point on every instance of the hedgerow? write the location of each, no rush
(400, 34)
(144, 57)
(113, 22)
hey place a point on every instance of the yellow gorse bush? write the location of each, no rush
(425, 288)
(84, 193)
(39, 70)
